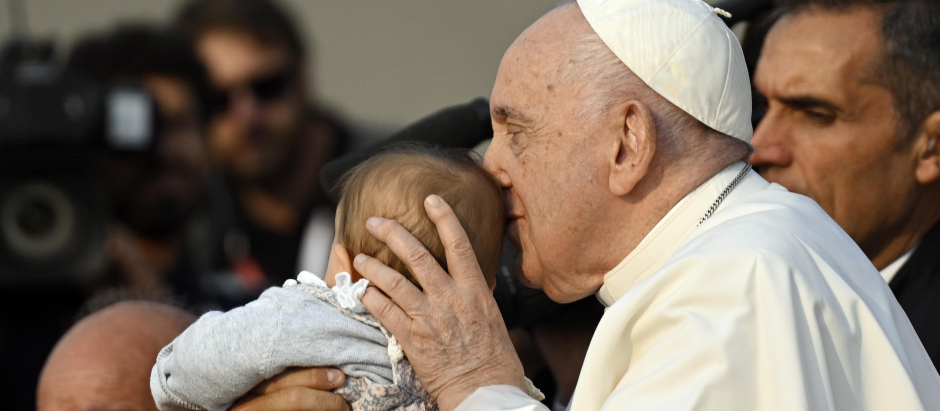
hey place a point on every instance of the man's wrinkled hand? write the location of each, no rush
(452, 333)
(305, 389)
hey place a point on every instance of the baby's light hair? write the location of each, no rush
(394, 184)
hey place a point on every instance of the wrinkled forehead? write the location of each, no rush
(523, 73)
(540, 48)
(529, 73)
(817, 49)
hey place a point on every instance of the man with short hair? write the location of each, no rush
(853, 121)
(157, 195)
(269, 140)
(620, 127)
(104, 361)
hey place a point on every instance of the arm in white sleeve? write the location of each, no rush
(500, 398)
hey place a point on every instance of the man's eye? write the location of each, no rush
(516, 139)
(820, 117)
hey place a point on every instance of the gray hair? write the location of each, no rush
(910, 65)
(606, 81)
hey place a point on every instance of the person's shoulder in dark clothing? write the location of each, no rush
(917, 288)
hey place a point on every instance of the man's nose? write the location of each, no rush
(770, 145)
(493, 163)
(180, 145)
(246, 107)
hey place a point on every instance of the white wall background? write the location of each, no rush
(377, 62)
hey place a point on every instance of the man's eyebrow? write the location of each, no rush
(509, 112)
(804, 102)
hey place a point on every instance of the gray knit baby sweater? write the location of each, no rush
(222, 356)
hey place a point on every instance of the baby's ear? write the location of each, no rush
(344, 260)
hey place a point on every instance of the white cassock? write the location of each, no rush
(767, 305)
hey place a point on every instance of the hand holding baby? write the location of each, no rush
(305, 389)
(453, 332)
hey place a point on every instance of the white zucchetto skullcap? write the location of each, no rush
(682, 50)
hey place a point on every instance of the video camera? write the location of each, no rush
(55, 128)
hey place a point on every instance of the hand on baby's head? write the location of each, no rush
(394, 184)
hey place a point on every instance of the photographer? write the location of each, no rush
(155, 194)
(269, 140)
(123, 217)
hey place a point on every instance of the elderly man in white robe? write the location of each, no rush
(621, 127)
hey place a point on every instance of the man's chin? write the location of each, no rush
(562, 297)
(559, 292)
(523, 278)
(527, 282)
(246, 168)
(512, 234)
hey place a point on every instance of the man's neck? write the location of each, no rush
(899, 241)
(281, 204)
(163, 254)
(659, 194)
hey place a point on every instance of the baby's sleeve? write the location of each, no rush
(219, 358)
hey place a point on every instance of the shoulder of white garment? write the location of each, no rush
(764, 306)
(500, 398)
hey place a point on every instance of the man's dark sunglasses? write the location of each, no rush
(265, 89)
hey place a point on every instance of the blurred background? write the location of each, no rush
(382, 63)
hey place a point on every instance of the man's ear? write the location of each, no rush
(632, 151)
(928, 151)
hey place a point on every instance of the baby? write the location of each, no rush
(312, 323)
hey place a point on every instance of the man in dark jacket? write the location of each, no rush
(268, 139)
(852, 91)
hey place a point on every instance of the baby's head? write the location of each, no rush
(394, 184)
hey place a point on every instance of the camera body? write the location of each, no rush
(55, 129)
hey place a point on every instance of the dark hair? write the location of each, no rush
(131, 51)
(263, 20)
(910, 66)
(394, 184)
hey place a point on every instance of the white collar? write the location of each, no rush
(892, 269)
(348, 294)
(666, 237)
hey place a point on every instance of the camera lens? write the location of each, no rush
(38, 220)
